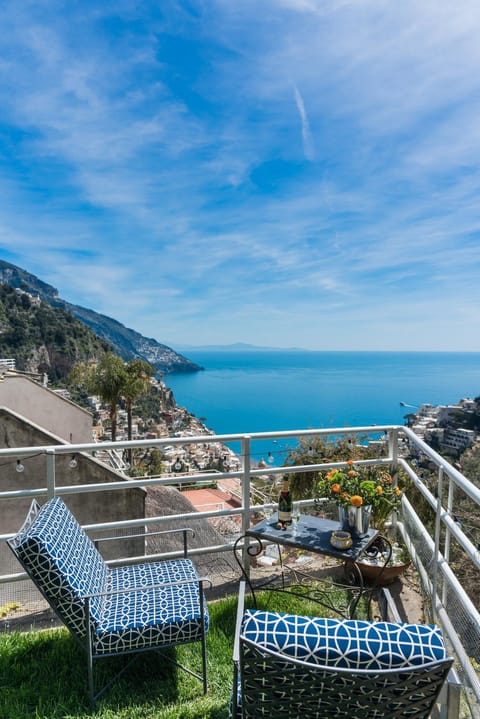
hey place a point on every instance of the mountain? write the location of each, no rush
(43, 339)
(239, 347)
(125, 342)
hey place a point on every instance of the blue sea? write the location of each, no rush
(262, 391)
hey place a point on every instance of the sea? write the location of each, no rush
(245, 391)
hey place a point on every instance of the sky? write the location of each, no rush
(283, 173)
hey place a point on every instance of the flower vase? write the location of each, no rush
(355, 520)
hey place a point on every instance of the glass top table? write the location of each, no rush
(312, 534)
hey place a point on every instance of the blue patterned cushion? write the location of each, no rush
(352, 644)
(134, 620)
(66, 567)
(63, 562)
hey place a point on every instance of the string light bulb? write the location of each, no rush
(73, 462)
(19, 466)
(177, 465)
(270, 458)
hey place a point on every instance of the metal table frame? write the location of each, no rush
(311, 534)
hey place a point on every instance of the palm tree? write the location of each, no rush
(106, 379)
(137, 384)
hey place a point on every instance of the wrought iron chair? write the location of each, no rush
(288, 666)
(111, 611)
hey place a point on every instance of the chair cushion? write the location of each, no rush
(353, 644)
(62, 561)
(164, 616)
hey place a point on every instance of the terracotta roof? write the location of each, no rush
(205, 500)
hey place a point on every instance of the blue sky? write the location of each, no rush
(284, 173)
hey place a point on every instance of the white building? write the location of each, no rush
(8, 364)
(458, 439)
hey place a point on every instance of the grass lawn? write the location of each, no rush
(43, 674)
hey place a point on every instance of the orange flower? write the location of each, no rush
(335, 488)
(397, 491)
(356, 500)
(350, 462)
(331, 474)
(379, 489)
(351, 473)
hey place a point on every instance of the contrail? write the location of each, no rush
(306, 134)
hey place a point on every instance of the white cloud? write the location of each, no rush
(306, 134)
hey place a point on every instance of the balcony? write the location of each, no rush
(443, 555)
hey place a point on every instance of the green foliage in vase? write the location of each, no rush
(356, 486)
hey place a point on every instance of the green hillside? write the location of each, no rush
(42, 338)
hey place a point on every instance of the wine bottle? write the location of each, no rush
(285, 505)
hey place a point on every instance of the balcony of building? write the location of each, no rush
(443, 545)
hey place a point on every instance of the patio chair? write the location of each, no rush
(288, 666)
(110, 611)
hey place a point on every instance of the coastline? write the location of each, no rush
(246, 392)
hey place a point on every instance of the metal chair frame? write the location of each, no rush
(86, 639)
(274, 685)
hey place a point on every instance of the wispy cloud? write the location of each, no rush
(306, 134)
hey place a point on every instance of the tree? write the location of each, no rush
(107, 379)
(137, 383)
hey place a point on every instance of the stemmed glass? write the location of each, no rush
(295, 515)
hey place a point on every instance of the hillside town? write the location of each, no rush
(447, 426)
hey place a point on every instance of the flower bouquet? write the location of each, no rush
(369, 487)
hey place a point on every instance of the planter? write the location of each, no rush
(373, 575)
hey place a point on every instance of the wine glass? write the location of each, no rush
(295, 515)
(268, 512)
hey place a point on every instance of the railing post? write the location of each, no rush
(393, 456)
(436, 550)
(50, 455)
(448, 534)
(246, 449)
(393, 446)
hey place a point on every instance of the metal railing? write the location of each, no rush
(434, 545)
